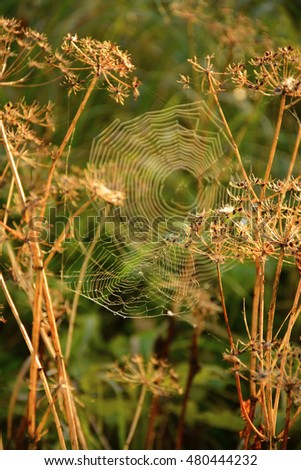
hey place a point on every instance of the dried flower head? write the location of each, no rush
(22, 50)
(66, 187)
(26, 125)
(156, 374)
(273, 73)
(105, 60)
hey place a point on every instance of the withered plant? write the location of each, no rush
(33, 176)
(260, 223)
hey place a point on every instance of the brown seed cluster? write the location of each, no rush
(24, 51)
(156, 374)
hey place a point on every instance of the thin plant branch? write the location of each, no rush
(39, 365)
(194, 368)
(68, 135)
(38, 265)
(136, 417)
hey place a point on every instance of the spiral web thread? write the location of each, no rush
(169, 165)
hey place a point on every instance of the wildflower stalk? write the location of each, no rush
(66, 139)
(78, 292)
(38, 363)
(37, 259)
(275, 141)
(35, 351)
(270, 229)
(287, 420)
(229, 132)
(283, 349)
(194, 368)
(136, 417)
(254, 324)
(273, 301)
(245, 413)
(294, 155)
(60, 239)
(224, 308)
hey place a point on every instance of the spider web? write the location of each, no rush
(169, 165)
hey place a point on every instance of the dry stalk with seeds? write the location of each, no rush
(26, 129)
(261, 222)
(156, 377)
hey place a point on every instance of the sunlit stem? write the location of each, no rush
(67, 137)
(78, 292)
(38, 363)
(283, 349)
(233, 141)
(274, 143)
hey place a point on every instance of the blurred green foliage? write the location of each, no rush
(160, 41)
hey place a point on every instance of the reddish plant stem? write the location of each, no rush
(247, 432)
(162, 352)
(245, 413)
(194, 368)
(287, 420)
(33, 375)
(151, 432)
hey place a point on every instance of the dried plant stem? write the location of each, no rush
(271, 312)
(254, 324)
(269, 338)
(294, 313)
(287, 420)
(64, 381)
(194, 367)
(68, 135)
(37, 259)
(154, 410)
(294, 155)
(224, 308)
(161, 352)
(245, 413)
(28, 288)
(33, 373)
(81, 436)
(233, 141)
(292, 421)
(275, 141)
(14, 396)
(78, 292)
(193, 52)
(265, 386)
(39, 365)
(136, 417)
(17, 272)
(65, 231)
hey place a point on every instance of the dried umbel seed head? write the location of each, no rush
(156, 374)
(102, 59)
(273, 73)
